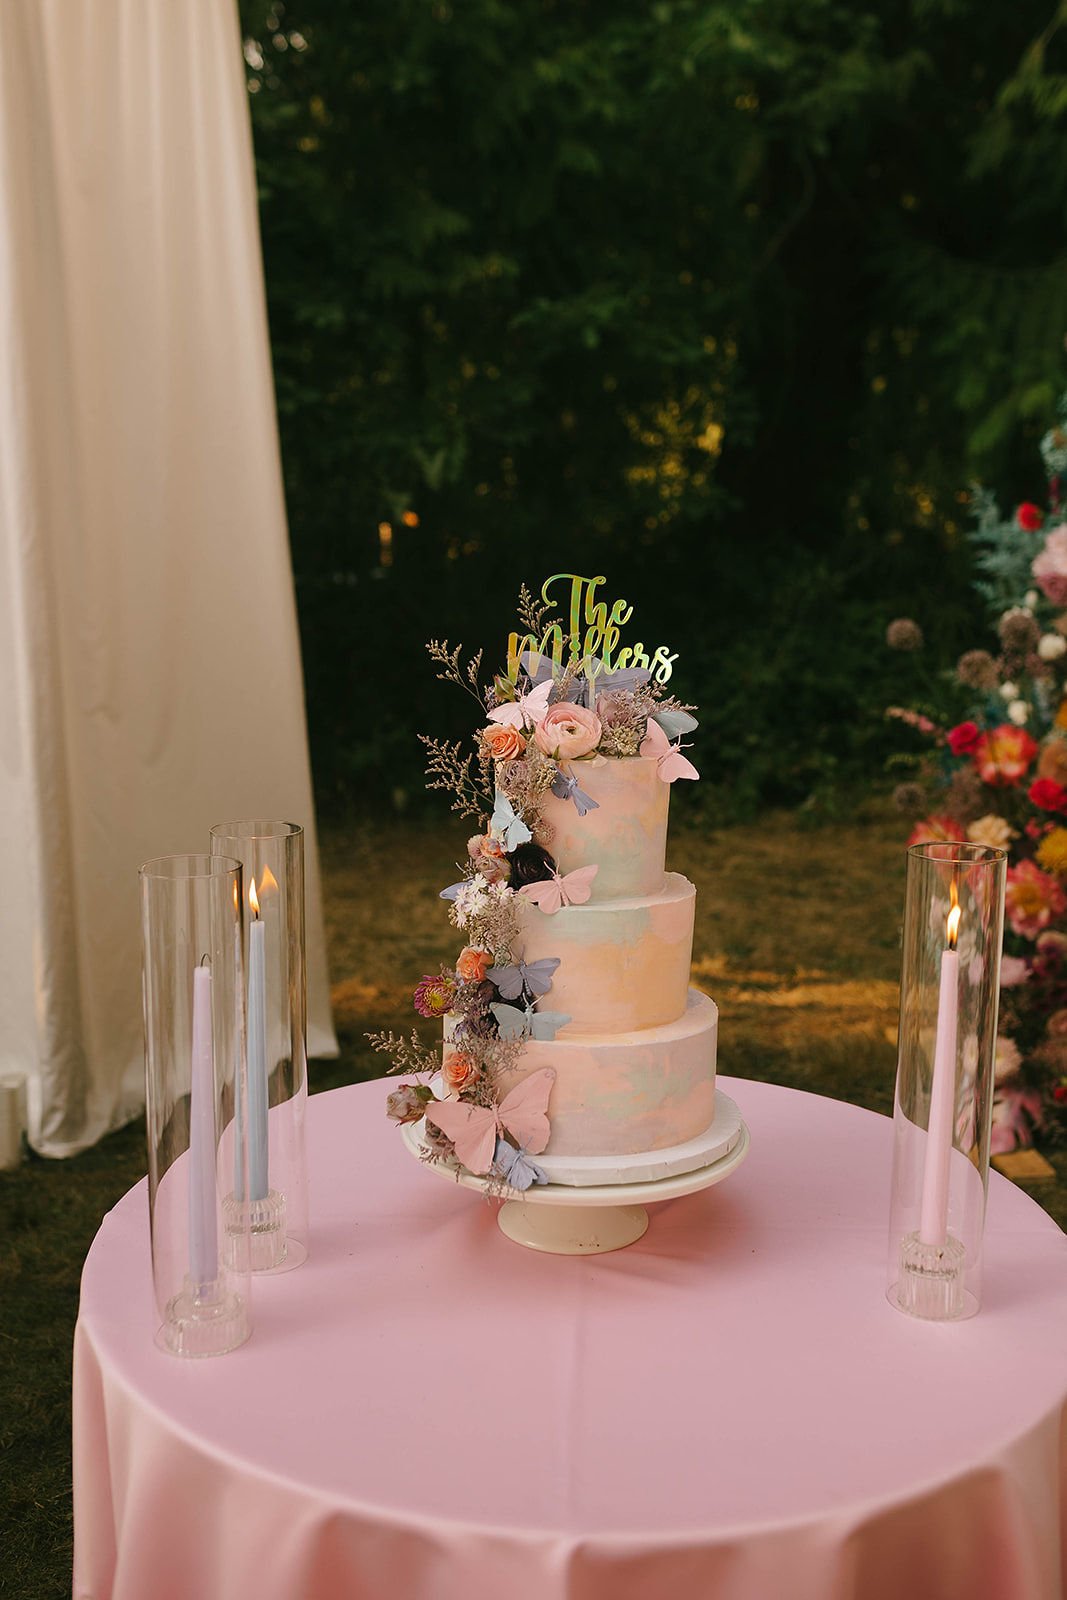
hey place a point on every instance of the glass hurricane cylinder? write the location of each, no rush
(272, 854)
(192, 985)
(949, 993)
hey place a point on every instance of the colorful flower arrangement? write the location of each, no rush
(543, 721)
(995, 773)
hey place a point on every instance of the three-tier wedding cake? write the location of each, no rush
(575, 1051)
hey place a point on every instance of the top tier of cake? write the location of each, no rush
(626, 835)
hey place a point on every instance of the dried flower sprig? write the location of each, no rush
(532, 613)
(406, 1053)
(449, 769)
(452, 670)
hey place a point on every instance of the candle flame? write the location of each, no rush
(953, 923)
(253, 898)
(268, 884)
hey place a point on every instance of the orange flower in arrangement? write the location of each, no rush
(459, 1072)
(1004, 755)
(473, 964)
(937, 830)
(503, 743)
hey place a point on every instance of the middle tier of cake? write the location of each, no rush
(623, 964)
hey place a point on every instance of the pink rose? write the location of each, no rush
(1050, 567)
(567, 732)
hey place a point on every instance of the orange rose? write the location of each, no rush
(458, 1071)
(503, 744)
(473, 964)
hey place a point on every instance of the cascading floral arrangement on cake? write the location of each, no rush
(570, 1031)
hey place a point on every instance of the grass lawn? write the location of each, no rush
(796, 938)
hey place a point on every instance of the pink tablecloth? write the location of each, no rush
(727, 1410)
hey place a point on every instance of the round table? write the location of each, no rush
(727, 1410)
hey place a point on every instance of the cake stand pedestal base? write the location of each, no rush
(575, 1220)
(572, 1230)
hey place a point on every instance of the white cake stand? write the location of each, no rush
(568, 1221)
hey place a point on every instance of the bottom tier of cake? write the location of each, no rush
(623, 1093)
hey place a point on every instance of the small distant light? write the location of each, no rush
(410, 519)
(385, 544)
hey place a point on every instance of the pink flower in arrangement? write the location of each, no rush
(914, 719)
(1013, 971)
(1048, 795)
(473, 964)
(489, 857)
(407, 1103)
(1050, 567)
(963, 739)
(568, 732)
(1051, 954)
(1032, 900)
(1003, 755)
(433, 995)
(937, 830)
(1029, 517)
(1016, 1113)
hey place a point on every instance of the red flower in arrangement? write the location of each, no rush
(1048, 795)
(937, 830)
(1003, 755)
(1029, 517)
(1032, 900)
(963, 739)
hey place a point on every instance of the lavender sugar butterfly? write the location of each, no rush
(565, 787)
(516, 1167)
(534, 976)
(527, 1024)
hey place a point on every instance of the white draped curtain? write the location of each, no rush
(150, 679)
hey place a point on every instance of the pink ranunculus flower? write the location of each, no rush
(568, 732)
(1032, 899)
(1003, 755)
(1050, 567)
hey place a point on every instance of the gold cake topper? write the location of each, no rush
(592, 636)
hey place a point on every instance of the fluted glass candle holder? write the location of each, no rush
(193, 985)
(272, 854)
(949, 994)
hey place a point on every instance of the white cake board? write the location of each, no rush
(578, 1221)
(649, 1166)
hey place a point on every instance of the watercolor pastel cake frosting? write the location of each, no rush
(574, 1049)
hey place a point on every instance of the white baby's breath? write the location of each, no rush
(1051, 646)
(1019, 711)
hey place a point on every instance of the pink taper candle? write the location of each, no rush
(933, 1218)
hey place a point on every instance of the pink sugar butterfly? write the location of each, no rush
(527, 708)
(553, 893)
(671, 762)
(473, 1129)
